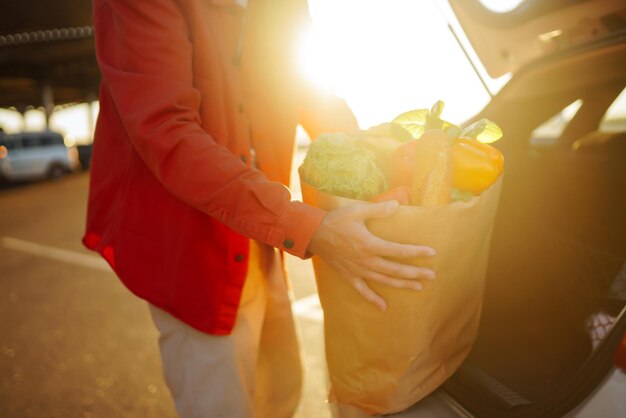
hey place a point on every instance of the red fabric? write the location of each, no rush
(171, 204)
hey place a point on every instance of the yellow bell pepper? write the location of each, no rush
(476, 165)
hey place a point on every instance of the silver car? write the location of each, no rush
(35, 155)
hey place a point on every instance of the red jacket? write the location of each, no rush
(186, 93)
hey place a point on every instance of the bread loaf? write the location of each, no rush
(431, 184)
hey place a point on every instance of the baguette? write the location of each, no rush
(431, 184)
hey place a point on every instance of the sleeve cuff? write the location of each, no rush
(298, 222)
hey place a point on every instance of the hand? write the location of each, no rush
(345, 243)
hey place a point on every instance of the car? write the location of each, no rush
(552, 337)
(35, 155)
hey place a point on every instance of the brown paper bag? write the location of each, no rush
(384, 362)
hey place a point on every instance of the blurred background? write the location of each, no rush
(384, 58)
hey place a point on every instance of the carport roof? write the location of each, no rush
(46, 43)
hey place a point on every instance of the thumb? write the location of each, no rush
(376, 210)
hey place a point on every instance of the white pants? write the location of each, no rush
(256, 371)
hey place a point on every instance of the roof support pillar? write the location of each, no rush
(91, 124)
(21, 109)
(47, 98)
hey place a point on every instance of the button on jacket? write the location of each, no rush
(189, 88)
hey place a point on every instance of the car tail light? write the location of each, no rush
(620, 355)
(3, 152)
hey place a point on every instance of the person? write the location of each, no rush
(187, 200)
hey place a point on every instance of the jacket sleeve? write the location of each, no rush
(145, 56)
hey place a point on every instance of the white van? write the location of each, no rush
(35, 155)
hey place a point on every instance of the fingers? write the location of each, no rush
(396, 250)
(395, 270)
(383, 247)
(391, 274)
(359, 255)
(364, 211)
(367, 293)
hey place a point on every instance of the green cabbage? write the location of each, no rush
(337, 164)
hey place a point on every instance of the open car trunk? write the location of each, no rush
(558, 258)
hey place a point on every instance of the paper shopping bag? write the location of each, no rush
(384, 362)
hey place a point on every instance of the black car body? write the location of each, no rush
(554, 309)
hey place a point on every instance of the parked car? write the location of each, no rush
(35, 155)
(552, 338)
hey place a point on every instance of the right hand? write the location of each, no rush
(345, 243)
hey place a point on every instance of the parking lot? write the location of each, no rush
(73, 341)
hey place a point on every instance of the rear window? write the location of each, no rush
(31, 139)
(612, 124)
(51, 139)
(548, 133)
(11, 141)
(614, 119)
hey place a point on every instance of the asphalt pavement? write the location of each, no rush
(74, 342)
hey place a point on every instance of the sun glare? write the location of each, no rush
(501, 6)
(386, 57)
